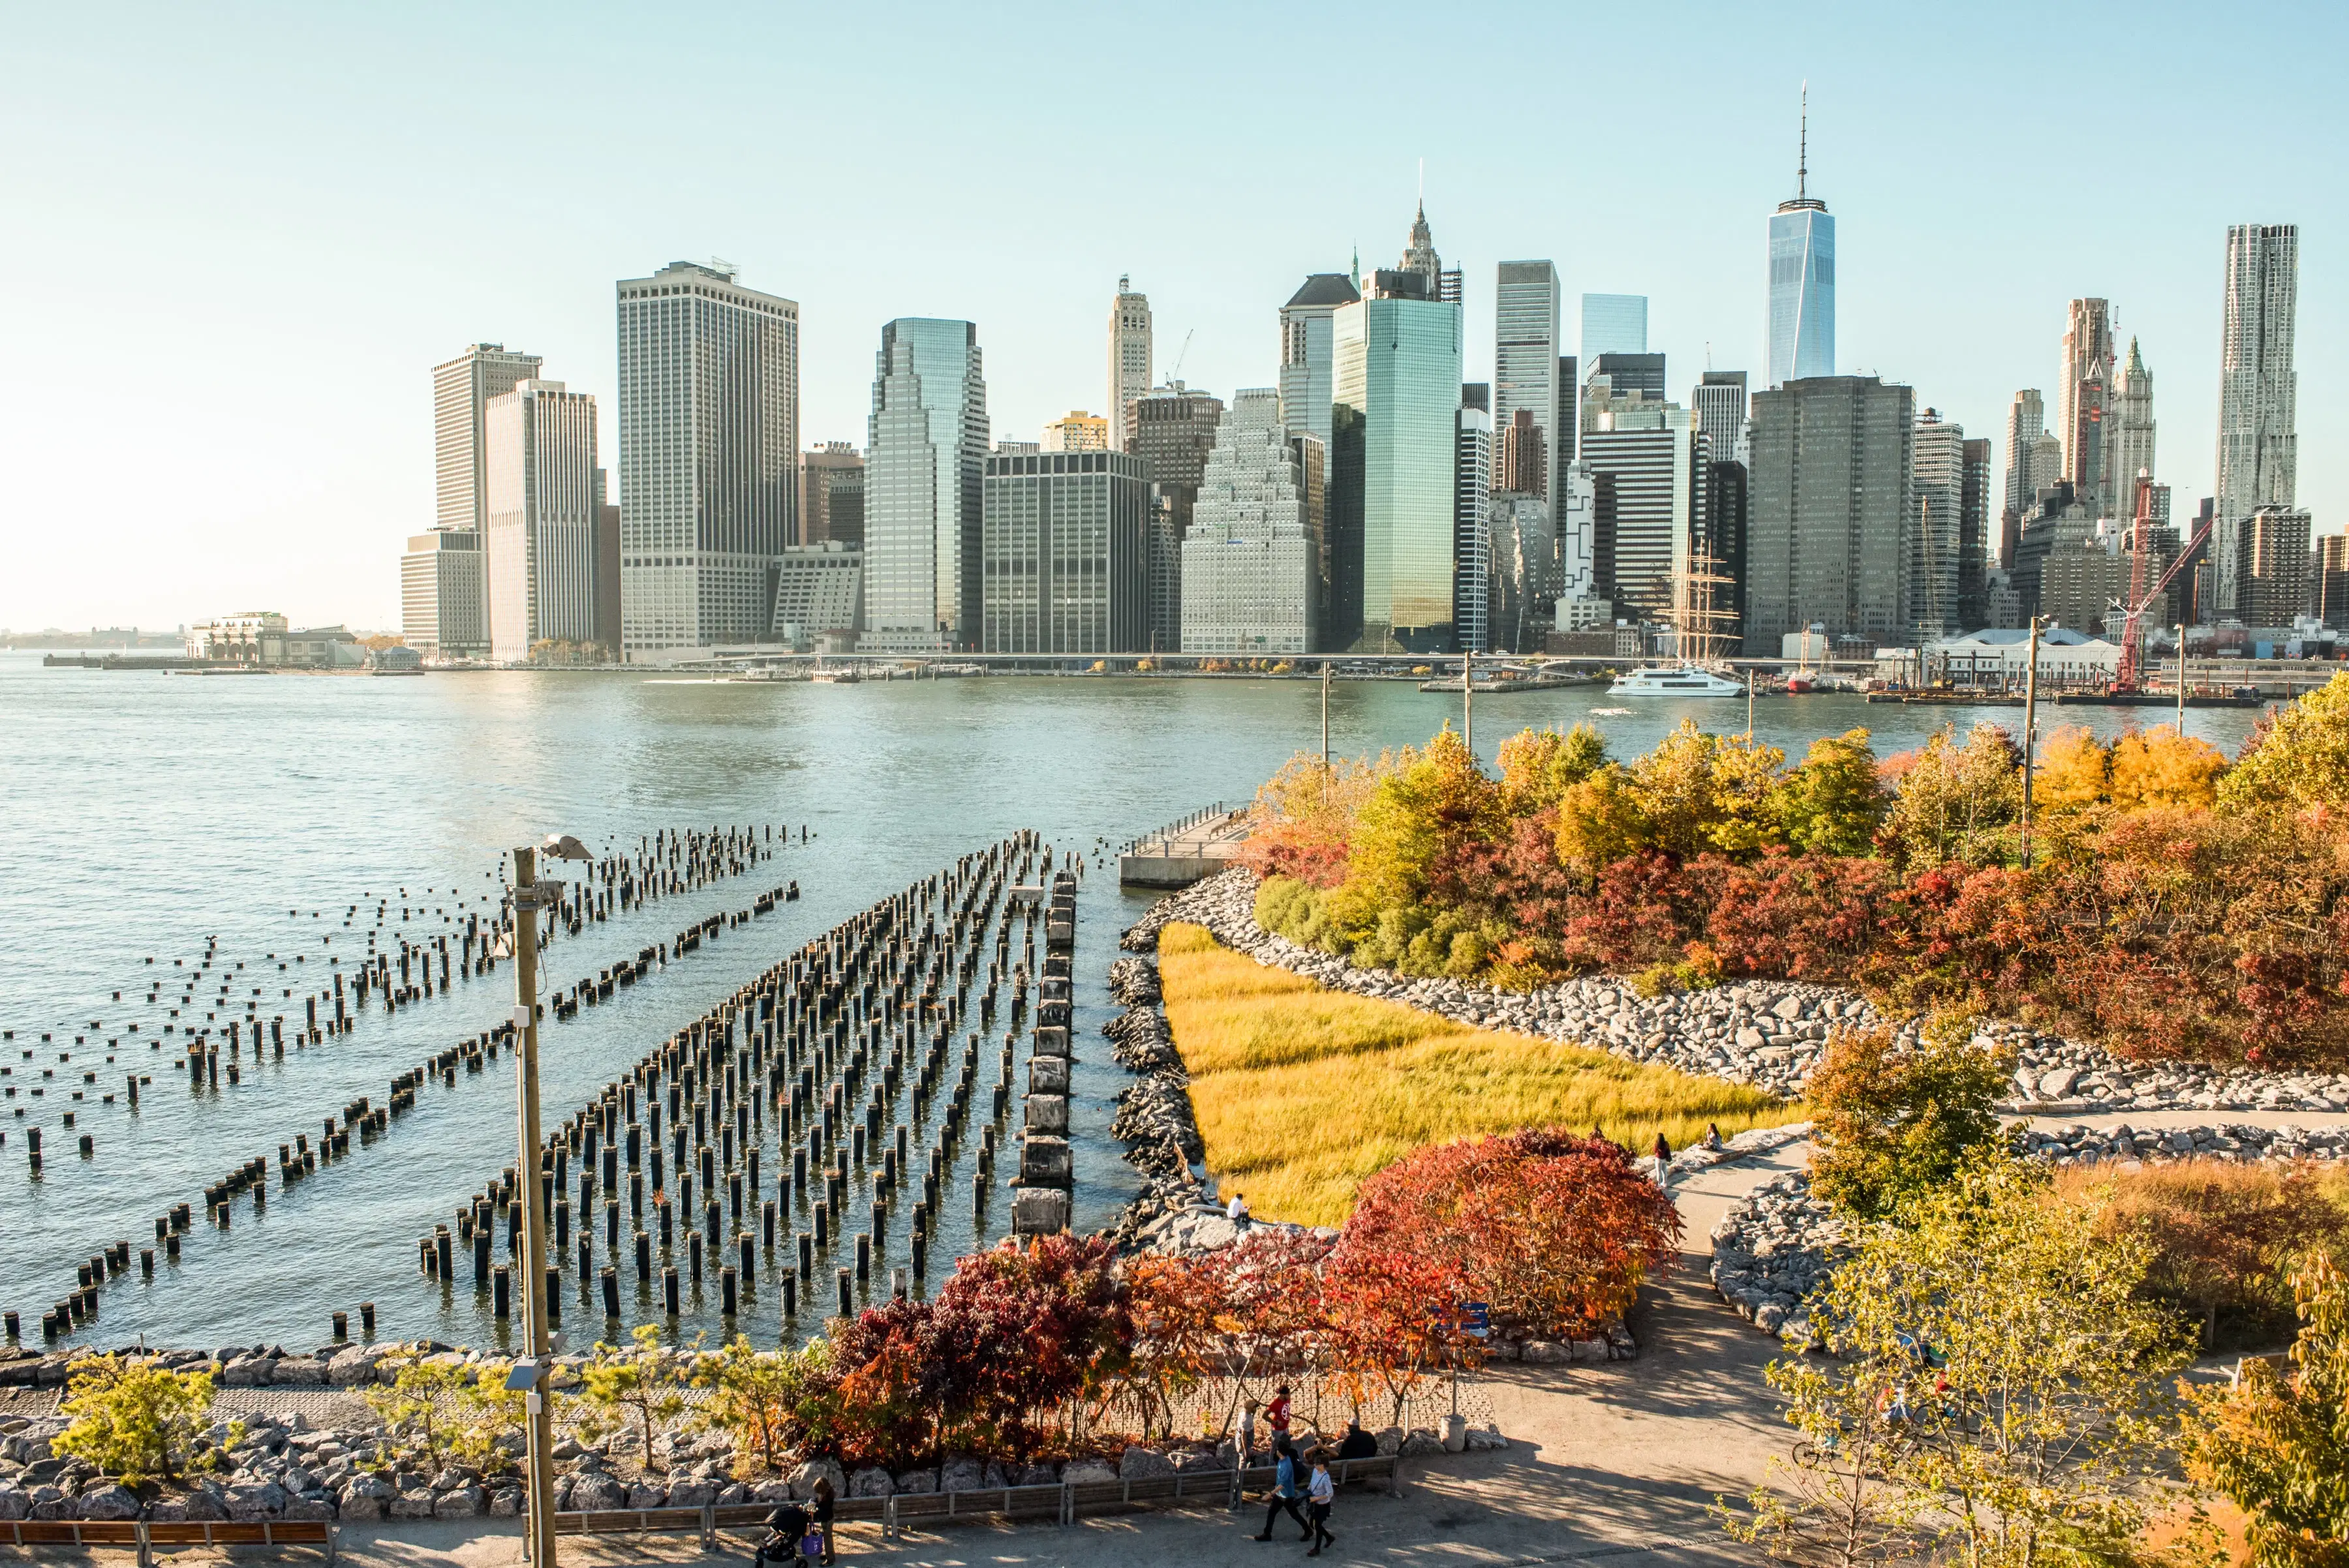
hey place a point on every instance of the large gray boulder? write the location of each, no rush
(265, 1501)
(810, 1471)
(598, 1494)
(917, 1480)
(871, 1481)
(1087, 1472)
(110, 1502)
(1141, 1464)
(962, 1473)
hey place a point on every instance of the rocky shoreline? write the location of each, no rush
(1769, 1034)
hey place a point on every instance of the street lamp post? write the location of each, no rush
(530, 897)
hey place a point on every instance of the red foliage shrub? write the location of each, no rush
(1554, 1231)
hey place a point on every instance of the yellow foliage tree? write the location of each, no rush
(1538, 766)
(2073, 773)
(2161, 767)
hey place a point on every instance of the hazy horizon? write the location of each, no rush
(247, 237)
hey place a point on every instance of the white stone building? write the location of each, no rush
(1248, 562)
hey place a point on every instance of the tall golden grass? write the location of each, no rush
(1300, 1092)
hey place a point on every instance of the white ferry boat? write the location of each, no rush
(1675, 681)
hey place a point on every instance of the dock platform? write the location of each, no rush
(1182, 853)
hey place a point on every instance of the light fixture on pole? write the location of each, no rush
(530, 896)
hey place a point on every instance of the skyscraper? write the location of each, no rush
(2273, 570)
(1526, 305)
(1520, 463)
(709, 441)
(1613, 324)
(2128, 439)
(1248, 562)
(1129, 354)
(1973, 537)
(1395, 398)
(1645, 456)
(2026, 422)
(442, 593)
(2086, 384)
(925, 447)
(1473, 583)
(2259, 459)
(1305, 352)
(1627, 374)
(544, 490)
(1171, 430)
(1062, 553)
(461, 389)
(1720, 404)
(1802, 276)
(831, 495)
(1937, 491)
(1830, 510)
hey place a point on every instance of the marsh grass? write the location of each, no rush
(1300, 1092)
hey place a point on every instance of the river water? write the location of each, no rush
(147, 815)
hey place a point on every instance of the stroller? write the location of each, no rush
(791, 1540)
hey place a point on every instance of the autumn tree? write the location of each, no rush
(1836, 800)
(133, 1419)
(1392, 1319)
(2159, 767)
(1958, 803)
(2006, 1333)
(1829, 1503)
(643, 1383)
(1538, 766)
(767, 1401)
(1552, 1230)
(2277, 1443)
(2297, 758)
(1176, 1305)
(1895, 1121)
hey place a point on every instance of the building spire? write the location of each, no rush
(1803, 147)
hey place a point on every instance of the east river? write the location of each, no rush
(143, 815)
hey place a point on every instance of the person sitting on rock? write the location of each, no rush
(1711, 1136)
(1237, 1211)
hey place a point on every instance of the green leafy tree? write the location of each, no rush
(439, 1408)
(766, 1400)
(2278, 1444)
(1836, 800)
(643, 1383)
(1960, 802)
(2297, 758)
(1538, 766)
(1439, 798)
(2001, 1334)
(135, 1421)
(1895, 1121)
(1830, 1503)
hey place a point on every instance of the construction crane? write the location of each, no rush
(2129, 677)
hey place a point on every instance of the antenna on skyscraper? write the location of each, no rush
(1422, 182)
(1803, 149)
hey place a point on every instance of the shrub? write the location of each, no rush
(1835, 803)
(766, 1400)
(1960, 802)
(135, 1421)
(2277, 1445)
(1895, 1122)
(449, 1412)
(1554, 1231)
(2297, 758)
(637, 1383)
(2225, 1237)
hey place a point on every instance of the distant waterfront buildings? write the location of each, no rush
(1395, 398)
(1129, 357)
(1305, 352)
(1062, 553)
(1802, 277)
(1248, 561)
(820, 596)
(2034, 462)
(1477, 590)
(2259, 392)
(1629, 374)
(1937, 478)
(2129, 446)
(2088, 371)
(831, 495)
(1973, 536)
(710, 441)
(461, 391)
(1720, 404)
(1613, 324)
(443, 593)
(2273, 575)
(1830, 512)
(1645, 454)
(925, 452)
(1171, 429)
(1076, 431)
(1526, 362)
(546, 492)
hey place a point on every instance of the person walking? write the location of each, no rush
(1276, 1416)
(1247, 1433)
(824, 1498)
(1663, 1163)
(1319, 1494)
(1285, 1492)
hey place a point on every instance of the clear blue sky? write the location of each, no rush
(242, 235)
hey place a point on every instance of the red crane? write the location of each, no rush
(2130, 677)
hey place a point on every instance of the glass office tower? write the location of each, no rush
(1395, 395)
(1802, 291)
(926, 445)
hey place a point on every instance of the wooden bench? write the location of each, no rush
(147, 1535)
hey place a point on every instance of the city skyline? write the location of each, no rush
(165, 226)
